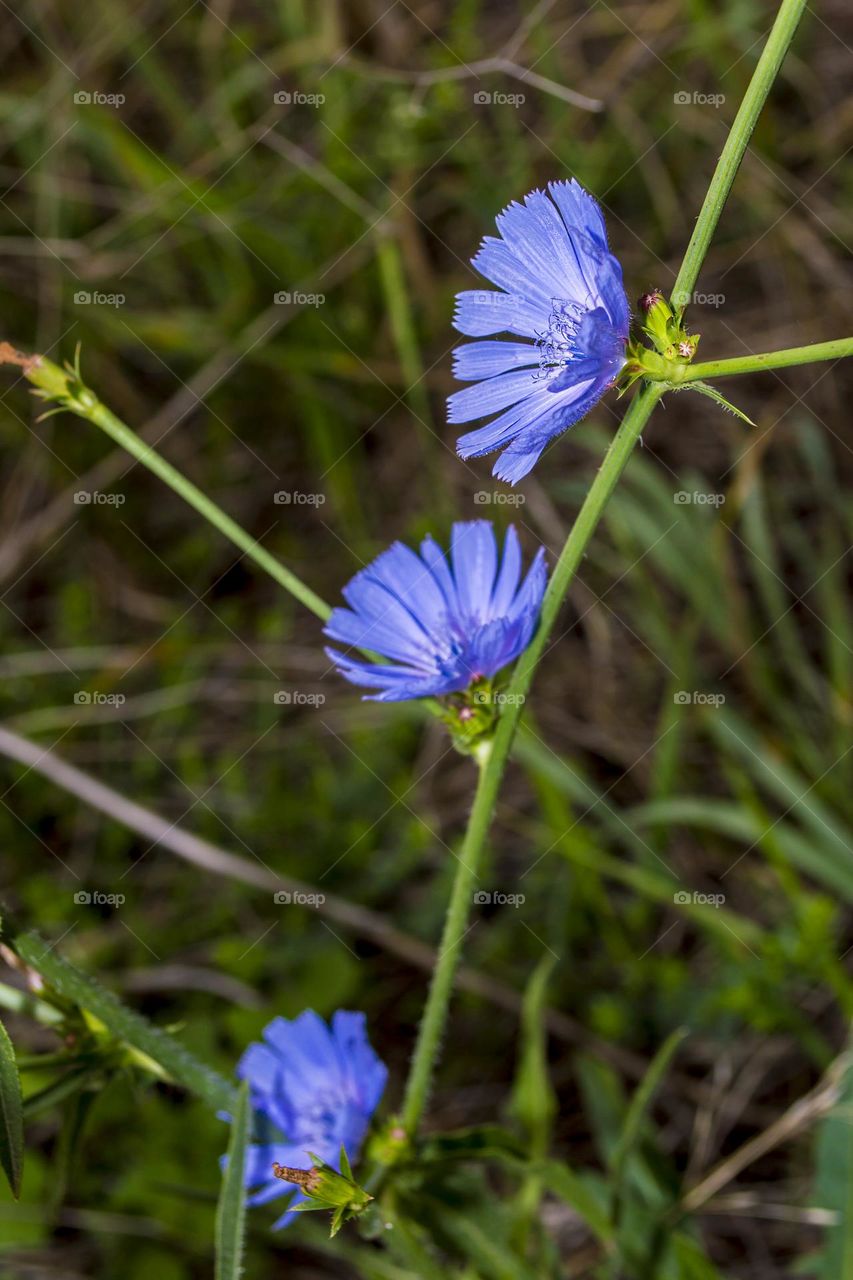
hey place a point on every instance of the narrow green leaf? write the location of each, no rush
(11, 1115)
(231, 1209)
(179, 1064)
(705, 389)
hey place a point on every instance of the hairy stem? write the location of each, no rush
(493, 762)
(434, 1015)
(57, 384)
(770, 360)
(767, 68)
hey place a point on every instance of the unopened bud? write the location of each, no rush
(648, 300)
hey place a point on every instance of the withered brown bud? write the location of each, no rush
(307, 1178)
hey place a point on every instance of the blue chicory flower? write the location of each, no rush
(318, 1087)
(563, 293)
(443, 622)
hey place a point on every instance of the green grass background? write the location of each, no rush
(198, 199)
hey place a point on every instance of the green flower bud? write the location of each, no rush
(659, 323)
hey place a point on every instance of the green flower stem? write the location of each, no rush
(492, 759)
(434, 1016)
(492, 767)
(67, 391)
(770, 360)
(767, 68)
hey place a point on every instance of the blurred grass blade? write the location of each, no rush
(491, 1257)
(639, 1105)
(179, 1064)
(533, 1101)
(11, 1115)
(578, 1191)
(231, 1209)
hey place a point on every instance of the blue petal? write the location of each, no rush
(477, 360)
(513, 465)
(378, 633)
(480, 312)
(433, 556)
(525, 449)
(538, 237)
(261, 1066)
(398, 684)
(489, 650)
(506, 582)
(615, 301)
(400, 571)
(386, 615)
(532, 589)
(475, 562)
(362, 1065)
(491, 396)
(579, 209)
(305, 1045)
(496, 261)
(542, 407)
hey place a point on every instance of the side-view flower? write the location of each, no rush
(444, 622)
(315, 1087)
(563, 294)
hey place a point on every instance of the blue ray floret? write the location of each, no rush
(314, 1087)
(443, 622)
(562, 293)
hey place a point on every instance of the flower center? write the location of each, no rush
(557, 344)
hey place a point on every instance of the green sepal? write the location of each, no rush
(325, 1188)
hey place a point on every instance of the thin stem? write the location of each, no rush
(770, 360)
(434, 1015)
(104, 418)
(493, 762)
(767, 68)
(66, 390)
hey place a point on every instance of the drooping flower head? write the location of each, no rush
(315, 1087)
(563, 295)
(444, 622)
